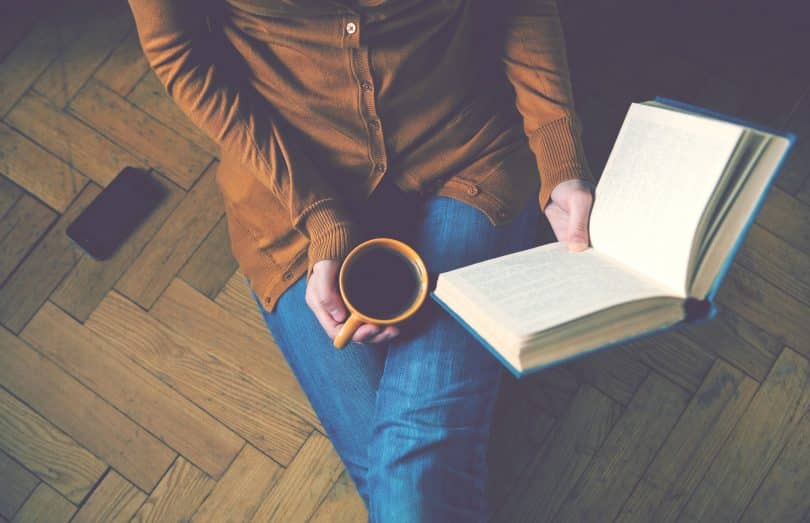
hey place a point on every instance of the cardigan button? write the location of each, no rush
(267, 299)
(351, 28)
(473, 190)
(287, 275)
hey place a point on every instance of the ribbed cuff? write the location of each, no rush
(331, 234)
(560, 155)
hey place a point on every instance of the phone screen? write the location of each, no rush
(116, 212)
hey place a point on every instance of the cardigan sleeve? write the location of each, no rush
(191, 62)
(535, 61)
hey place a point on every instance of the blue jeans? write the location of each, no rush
(410, 418)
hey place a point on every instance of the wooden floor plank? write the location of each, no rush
(150, 96)
(304, 484)
(783, 494)
(149, 140)
(20, 228)
(207, 326)
(541, 490)
(737, 341)
(10, 192)
(16, 484)
(614, 471)
(48, 178)
(519, 431)
(767, 306)
(675, 356)
(106, 24)
(81, 414)
(173, 244)
(796, 169)
(617, 372)
(46, 451)
(690, 447)
(804, 194)
(90, 280)
(342, 504)
(45, 505)
(68, 138)
(246, 405)
(551, 390)
(237, 496)
(776, 261)
(41, 271)
(18, 23)
(125, 66)
(177, 496)
(145, 399)
(20, 68)
(754, 444)
(235, 298)
(787, 217)
(115, 500)
(751, 333)
(212, 264)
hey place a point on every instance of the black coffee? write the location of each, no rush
(381, 283)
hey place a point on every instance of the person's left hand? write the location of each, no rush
(569, 211)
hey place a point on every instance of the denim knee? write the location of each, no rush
(429, 464)
(410, 481)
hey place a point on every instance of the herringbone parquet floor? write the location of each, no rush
(147, 387)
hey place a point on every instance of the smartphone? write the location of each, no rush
(104, 225)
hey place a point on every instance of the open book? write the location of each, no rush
(679, 190)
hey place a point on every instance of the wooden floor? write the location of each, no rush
(147, 387)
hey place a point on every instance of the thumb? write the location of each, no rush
(329, 297)
(326, 273)
(333, 305)
(578, 224)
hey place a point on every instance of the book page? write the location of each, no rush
(532, 290)
(657, 181)
(731, 231)
(754, 146)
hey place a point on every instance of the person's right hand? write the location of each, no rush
(323, 297)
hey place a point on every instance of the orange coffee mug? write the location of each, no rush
(382, 281)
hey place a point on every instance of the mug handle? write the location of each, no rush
(347, 331)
